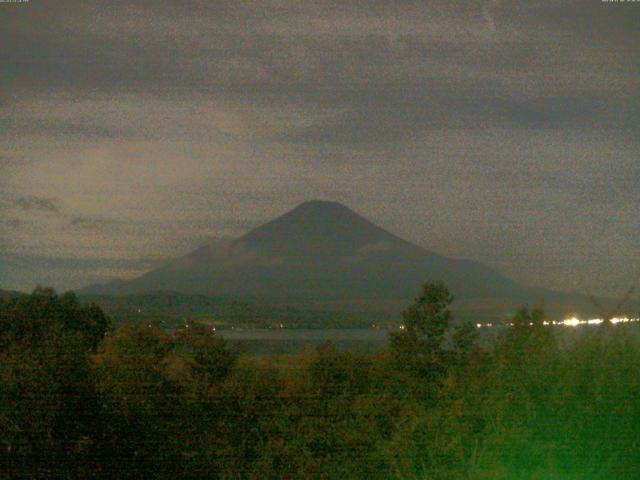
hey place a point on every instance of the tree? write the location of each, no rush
(527, 335)
(207, 354)
(419, 345)
(464, 337)
(47, 397)
(29, 319)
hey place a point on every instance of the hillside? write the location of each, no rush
(318, 251)
(326, 255)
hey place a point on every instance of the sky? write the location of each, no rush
(505, 132)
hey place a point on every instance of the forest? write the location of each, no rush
(80, 398)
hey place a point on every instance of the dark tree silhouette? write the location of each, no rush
(418, 347)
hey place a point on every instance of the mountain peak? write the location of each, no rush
(316, 228)
(321, 210)
(321, 205)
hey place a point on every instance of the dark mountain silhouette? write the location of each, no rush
(319, 251)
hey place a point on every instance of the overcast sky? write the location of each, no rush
(501, 131)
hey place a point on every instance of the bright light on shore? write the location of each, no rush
(572, 322)
(623, 320)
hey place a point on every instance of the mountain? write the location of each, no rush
(319, 251)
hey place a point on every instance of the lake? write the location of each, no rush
(295, 341)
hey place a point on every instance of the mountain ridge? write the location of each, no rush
(318, 250)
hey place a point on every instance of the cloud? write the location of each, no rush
(372, 67)
(96, 224)
(33, 203)
(28, 204)
(464, 126)
(25, 272)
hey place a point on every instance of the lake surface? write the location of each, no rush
(295, 341)
(367, 340)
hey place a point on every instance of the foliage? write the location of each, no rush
(47, 397)
(27, 320)
(80, 401)
(418, 347)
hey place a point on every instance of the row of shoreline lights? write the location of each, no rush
(572, 322)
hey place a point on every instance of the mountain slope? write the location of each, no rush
(318, 251)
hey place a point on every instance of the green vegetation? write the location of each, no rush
(81, 400)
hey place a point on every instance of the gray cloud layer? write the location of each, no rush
(504, 131)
